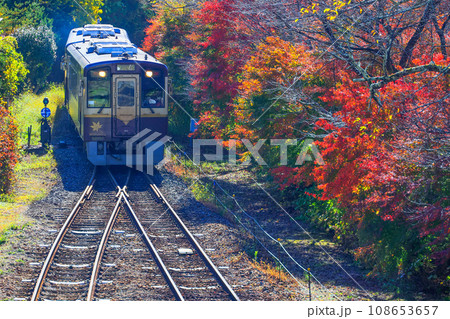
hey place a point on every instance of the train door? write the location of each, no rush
(125, 105)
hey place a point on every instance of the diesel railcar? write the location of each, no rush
(114, 91)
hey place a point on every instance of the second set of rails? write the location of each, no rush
(127, 243)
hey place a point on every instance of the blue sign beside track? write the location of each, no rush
(45, 112)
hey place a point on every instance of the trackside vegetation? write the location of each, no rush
(374, 97)
(32, 39)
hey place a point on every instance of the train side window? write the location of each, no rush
(73, 81)
(152, 92)
(99, 88)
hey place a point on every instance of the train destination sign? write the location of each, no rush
(126, 67)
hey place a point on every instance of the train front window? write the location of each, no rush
(99, 88)
(125, 92)
(152, 92)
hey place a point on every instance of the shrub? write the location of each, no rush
(12, 73)
(17, 14)
(8, 149)
(12, 68)
(38, 48)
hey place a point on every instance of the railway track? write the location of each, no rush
(148, 260)
(190, 267)
(127, 243)
(66, 270)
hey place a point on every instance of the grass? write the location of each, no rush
(202, 189)
(202, 192)
(34, 179)
(27, 111)
(34, 174)
(34, 162)
(207, 167)
(274, 273)
(10, 221)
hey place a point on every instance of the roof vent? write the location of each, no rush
(115, 50)
(98, 26)
(101, 34)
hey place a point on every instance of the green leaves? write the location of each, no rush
(38, 48)
(12, 68)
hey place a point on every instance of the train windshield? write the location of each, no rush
(99, 88)
(153, 91)
(125, 92)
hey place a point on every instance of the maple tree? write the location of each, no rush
(275, 65)
(369, 81)
(218, 58)
(383, 129)
(167, 39)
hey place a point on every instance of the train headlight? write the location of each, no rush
(149, 74)
(102, 74)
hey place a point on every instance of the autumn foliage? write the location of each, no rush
(373, 94)
(167, 39)
(12, 74)
(8, 150)
(219, 54)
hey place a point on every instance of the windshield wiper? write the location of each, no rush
(101, 109)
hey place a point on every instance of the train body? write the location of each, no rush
(114, 91)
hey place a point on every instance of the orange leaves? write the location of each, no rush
(167, 31)
(297, 177)
(385, 159)
(275, 66)
(388, 159)
(153, 36)
(275, 60)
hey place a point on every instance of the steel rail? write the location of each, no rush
(101, 249)
(123, 196)
(221, 280)
(173, 287)
(57, 243)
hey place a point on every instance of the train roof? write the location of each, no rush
(103, 43)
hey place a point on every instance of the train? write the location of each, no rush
(115, 92)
